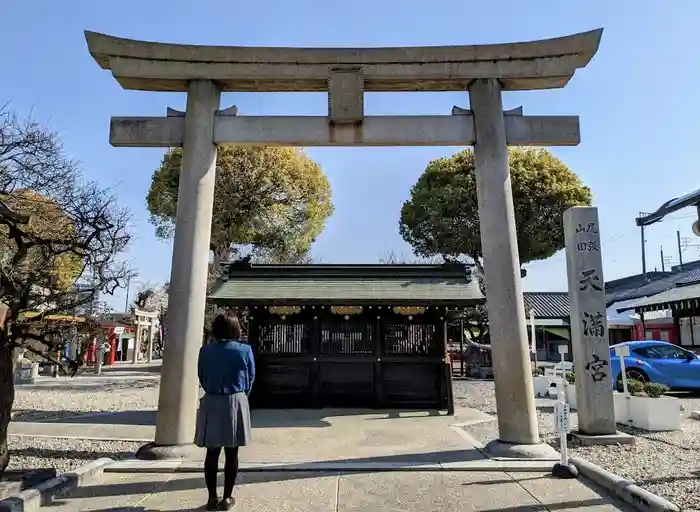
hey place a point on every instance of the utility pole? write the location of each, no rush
(680, 251)
(128, 283)
(663, 263)
(644, 252)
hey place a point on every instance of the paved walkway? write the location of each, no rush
(301, 435)
(329, 460)
(399, 491)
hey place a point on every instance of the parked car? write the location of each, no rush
(657, 361)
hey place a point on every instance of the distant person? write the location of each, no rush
(226, 373)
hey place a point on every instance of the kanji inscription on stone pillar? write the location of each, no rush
(589, 329)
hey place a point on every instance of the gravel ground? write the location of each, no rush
(67, 397)
(80, 395)
(64, 454)
(665, 463)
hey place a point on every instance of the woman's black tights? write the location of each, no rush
(211, 468)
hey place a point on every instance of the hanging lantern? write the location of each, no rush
(284, 310)
(346, 310)
(408, 311)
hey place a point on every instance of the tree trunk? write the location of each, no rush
(7, 397)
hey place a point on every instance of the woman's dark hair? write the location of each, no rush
(226, 327)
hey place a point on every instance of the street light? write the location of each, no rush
(672, 206)
(669, 207)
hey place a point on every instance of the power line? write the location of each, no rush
(679, 217)
(562, 255)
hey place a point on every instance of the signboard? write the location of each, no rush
(118, 330)
(563, 416)
(623, 351)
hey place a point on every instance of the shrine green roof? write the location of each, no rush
(405, 285)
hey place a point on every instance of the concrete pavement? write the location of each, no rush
(282, 436)
(329, 460)
(401, 491)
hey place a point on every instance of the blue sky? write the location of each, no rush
(637, 100)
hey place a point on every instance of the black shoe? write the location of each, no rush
(227, 504)
(213, 504)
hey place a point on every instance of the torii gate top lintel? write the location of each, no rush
(543, 64)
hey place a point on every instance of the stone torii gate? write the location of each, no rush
(204, 72)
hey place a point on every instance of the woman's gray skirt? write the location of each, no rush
(223, 421)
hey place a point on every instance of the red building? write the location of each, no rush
(114, 332)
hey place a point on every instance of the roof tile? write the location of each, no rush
(349, 284)
(548, 304)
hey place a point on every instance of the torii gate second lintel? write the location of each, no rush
(204, 72)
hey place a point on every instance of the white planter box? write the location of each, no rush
(621, 408)
(656, 414)
(541, 385)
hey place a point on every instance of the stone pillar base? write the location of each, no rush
(501, 449)
(152, 451)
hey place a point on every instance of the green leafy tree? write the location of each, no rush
(276, 199)
(442, 215)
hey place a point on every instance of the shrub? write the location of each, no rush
(571, 377)
(635, 387)
(655, 389)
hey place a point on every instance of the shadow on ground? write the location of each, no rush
(145, 368)
(78, 385)
(569, 505)
(197, 483)
(34, 415)
(260, 418)
(90, 455)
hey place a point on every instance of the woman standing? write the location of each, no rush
(226, 373)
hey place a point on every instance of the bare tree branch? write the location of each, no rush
(61, 244)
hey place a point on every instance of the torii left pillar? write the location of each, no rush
(177, 403)
(515, 398)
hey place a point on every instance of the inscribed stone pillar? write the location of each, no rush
(177, 402)
(515, 398)
(589, 330)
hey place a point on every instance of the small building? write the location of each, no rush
(552, 324)
(551, 315)
(658, 324)
(621, 325)
(349, 335)
(681, 304)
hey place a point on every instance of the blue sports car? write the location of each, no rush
(657, 361)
